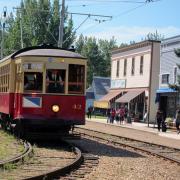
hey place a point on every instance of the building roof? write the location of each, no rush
(172, 41)
(134, 46)
(101, 85)
(90, 95)
(89, 89)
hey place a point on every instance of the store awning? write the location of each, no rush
(101, 104)
(130, 95)
(165, 90)
(104, 102)
(112, 94)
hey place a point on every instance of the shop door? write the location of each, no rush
(163, 105)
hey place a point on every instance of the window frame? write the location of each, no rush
(77, 83)
(175, 74)
(165, 80)
(61, 82)
(32, 90)
(125, 67)
(133, 66)
(141, 65)
(117, 68)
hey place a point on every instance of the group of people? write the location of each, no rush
(161, 120)
(119, 115)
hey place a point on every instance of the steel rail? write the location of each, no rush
(64, 170)
(28, 151)
(152, 152)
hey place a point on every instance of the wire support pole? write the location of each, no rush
(2, 30)
(2, 44)
(61, 25)
(21, 28)
(22, 46)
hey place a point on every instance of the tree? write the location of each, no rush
(105, 48)
(154, 36)
(40, 24)
(98, 54)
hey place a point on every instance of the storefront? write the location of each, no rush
(135, 101)
(168, 101)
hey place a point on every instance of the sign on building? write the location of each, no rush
(118, 83)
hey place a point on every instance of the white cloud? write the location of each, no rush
(126, 33)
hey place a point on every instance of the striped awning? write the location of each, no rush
(129, 96)
(104, 102)
(112, 94)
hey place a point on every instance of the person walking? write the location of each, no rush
(122, 113)
(113, 113)
(117, 117)
(159, 118)
(178, 121)
(89, 112)
(108, 114)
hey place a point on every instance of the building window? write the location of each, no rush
(141, 64)
(125, 67)
(117, 69)
(133, 66)
(175, 75)
(165, 79)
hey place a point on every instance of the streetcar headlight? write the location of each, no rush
(55, 108)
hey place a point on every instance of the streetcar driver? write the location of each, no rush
(55, 83)
(26, 83)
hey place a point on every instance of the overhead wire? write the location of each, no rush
(113, 1)
(76, 29)
(125, 12)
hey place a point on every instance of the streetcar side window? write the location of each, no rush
(76, 79)
(55, 80)
(33, 81)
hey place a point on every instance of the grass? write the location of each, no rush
(9, 146)
(9, 166)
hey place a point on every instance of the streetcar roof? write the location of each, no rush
(44, 51)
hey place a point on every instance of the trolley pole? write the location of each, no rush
(61, 25)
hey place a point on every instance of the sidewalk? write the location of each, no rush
(142, 127)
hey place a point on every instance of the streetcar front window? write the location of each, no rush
(76, 79)
(33, 82)
(55, 81)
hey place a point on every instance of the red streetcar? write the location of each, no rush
(42, 88)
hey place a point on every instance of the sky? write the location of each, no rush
(130, 20)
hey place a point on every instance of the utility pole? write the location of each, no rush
(21, 29)
(22, 46)
(61, 25)
(2, 30)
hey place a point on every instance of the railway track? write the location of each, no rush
(48, 162)
(167, 153)
(28, 151)
(52, 162)
(90, 161)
